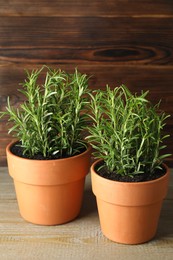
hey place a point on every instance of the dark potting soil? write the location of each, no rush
(16, 149)
(103, 172)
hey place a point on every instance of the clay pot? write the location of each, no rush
(49, 192)
(129, 212)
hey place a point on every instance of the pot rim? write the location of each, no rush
(129, 193)
(55, 172)
(45, 161)
(128, 183)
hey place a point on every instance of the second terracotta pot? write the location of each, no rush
(49, 192)
(129, 212)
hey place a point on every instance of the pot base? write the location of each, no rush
(129, 225)
(50, 205)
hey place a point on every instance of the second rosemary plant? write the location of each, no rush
(127, 131)
(52, 119)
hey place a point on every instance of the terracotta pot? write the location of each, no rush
(129, 212)
(49, 192)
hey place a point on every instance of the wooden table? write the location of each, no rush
(79, 239)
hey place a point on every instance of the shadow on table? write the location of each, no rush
(165, 227)
(89, 202)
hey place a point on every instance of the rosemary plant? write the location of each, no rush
(126, 131)
(51, 120)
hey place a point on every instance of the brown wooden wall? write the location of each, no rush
(116, 41)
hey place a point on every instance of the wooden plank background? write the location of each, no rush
(116, 41)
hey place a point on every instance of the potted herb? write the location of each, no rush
(50, 159)
(129, 178)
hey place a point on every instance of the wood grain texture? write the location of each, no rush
(73, 32)
(117, 41)
(79, 239)
(86, 8)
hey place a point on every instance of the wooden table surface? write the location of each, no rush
(79, 239)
